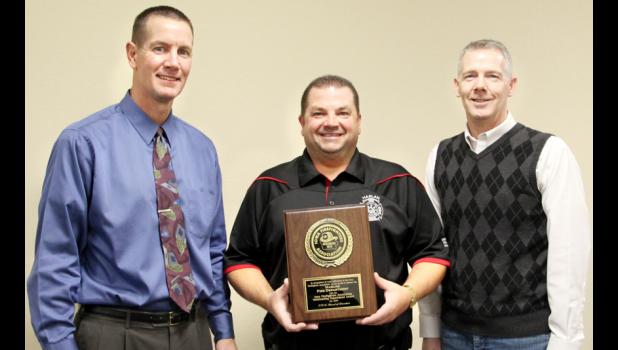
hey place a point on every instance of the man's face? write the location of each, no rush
(162, 63)
(484, 85)
(330, 123)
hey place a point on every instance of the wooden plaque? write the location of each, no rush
(330, 263)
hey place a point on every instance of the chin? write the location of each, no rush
(166, 97)
(481, 116)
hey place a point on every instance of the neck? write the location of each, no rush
(155, 110)
(478, 126)
(328, 166)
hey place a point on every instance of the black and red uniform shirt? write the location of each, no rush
(405, 228)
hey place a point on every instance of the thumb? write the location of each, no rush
(285, 286)
(380, 282)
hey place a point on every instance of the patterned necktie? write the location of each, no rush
(178, 273)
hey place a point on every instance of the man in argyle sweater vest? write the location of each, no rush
(513, 209)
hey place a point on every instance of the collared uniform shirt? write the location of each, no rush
(568, 234)
(97, 240)
(405, 229)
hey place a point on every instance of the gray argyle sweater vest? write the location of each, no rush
(496, 230)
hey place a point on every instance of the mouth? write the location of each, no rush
(168, 77)
(330, 134)
(480, 100)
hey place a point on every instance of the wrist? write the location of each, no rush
(412, 294)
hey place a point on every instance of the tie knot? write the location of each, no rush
(159, 135)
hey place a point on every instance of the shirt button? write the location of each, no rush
(331, 203)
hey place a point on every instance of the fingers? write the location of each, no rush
(382, 283)
(301, 326)
(395, 303)
(381, 316)
(280, 309)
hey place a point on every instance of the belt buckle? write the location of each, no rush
(170, 317)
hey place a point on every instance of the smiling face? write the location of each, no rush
(330, 124)
(484, 86)
(162, 63)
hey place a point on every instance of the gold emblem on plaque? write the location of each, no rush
(328, 243)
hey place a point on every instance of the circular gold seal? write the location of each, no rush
(328, 242)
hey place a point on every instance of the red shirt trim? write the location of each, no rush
(271, 178)
(438, 261)
(393, 177)
(400, 175)
(240, 266)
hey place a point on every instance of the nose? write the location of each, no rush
(330, 120)
(480, 84)
(172, 60)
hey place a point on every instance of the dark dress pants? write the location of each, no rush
(98, 332)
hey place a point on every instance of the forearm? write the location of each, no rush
(218, 303)
(61, 235)
(425, 277)
(251, 284)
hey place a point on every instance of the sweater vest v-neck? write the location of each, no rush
(497, 234)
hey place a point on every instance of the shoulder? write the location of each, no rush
(533, 134)
(380, 171)
(555, 149)
(450, 141)
(94, 122)
(195, 135)
(272, 183)
(83, 130)
(284, 173)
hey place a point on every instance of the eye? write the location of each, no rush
(184, 53)
(344, 114)
(158, 49)
(318, 113)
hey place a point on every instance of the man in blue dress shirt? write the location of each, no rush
(98, 242)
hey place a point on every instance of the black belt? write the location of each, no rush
(170, 318)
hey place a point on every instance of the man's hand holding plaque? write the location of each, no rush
(278, 306)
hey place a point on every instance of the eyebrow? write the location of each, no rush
(165, 43)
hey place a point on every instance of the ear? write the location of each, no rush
(301, 121)
(456, 87)
(131, 49)
(512, 85)
(359, 123)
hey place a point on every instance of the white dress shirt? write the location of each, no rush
(568, 234)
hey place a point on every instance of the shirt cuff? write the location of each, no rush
(556, 343)
(429, 326)
(221, 325)
(66, 344)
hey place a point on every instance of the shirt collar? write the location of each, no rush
(490, 136)
(308, 172)
(145, 127)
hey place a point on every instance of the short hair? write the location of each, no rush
(139, 25)
(328, 80)
(488, 44)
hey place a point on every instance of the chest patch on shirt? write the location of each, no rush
(376, 211)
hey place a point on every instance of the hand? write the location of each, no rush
(277, 305)
(432, 344)
(225, 344)
(397, 300)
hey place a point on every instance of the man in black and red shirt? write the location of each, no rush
(405, 228)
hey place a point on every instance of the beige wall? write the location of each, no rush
(253, 59)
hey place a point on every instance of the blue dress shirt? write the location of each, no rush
(97, 240)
